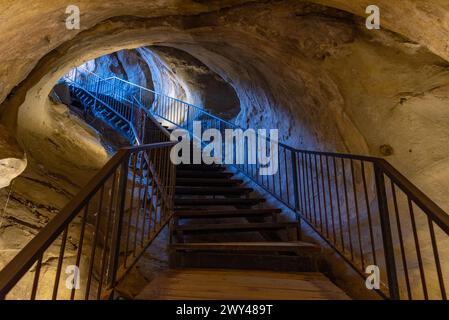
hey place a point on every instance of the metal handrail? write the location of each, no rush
(360, 205)
(317, 185)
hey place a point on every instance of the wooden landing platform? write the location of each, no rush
(218, 284)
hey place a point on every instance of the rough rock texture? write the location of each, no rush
(59, 164)
(63, 144)
(48, 183)
(12, 158)
(313, 72)
(171, 72)
(423, 21)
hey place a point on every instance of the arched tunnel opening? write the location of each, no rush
(360, 115)
(169, 72)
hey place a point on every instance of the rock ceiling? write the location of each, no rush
(313, 71)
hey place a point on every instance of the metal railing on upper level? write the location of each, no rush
(366, 210)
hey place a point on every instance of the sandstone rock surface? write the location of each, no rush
(312, 71)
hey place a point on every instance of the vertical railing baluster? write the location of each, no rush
(80, 245)
(285, 174)
(357, 214)
(306, 201)
(348, 217)
(313, 190)
(418, 249)
(387, 239)
(320, 213)
(280, 176)
(331, 200)
(340, 218)
(326, 221)
(139, 197)
(112, 197)
(131, 205)
(309, 191)
(94, 243)
(145, 201)
(368, 211)
(152, 207)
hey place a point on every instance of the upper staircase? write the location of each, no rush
(223, 226)
(217, 284)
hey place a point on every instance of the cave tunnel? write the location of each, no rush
(362, 121)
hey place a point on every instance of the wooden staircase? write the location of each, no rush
(220, 230)
(219, 224)
(225, 246)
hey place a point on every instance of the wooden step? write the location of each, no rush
(297, 247)
(233, 227)
(201, 174)
(282, 261)
(213, 190)
(207, 182)
(218, 202)
(204, 214)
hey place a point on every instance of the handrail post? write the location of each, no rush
(387, 239)
(117, 232)
(296, 191)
